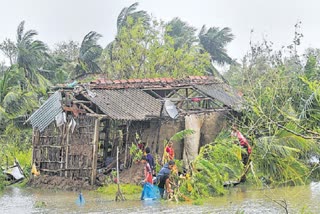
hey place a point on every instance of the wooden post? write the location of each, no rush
(106, 140)
(67, 150)
(95, 150)
(35, 142)
(118, 177)
(126, 147)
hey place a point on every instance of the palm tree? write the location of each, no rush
(15, 100)
(122, 21)
(214, 41)
(31, 53)
(136, 15)
(89, 52)
(181, 32)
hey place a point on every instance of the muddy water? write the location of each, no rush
(301, 199)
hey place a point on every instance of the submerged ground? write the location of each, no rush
(299, 199)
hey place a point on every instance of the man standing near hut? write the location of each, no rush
(163, 176)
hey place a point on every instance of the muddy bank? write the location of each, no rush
(60, 183)
(132, 175)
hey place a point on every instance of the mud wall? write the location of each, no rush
(159, 131)
(212, 124)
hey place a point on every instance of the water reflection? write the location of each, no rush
(240, 198)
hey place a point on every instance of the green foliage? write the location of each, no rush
(31, 53)
(89, 52)
(138, 52)
(214, 41)
(181, 32)
(16, 144)
(278, 163)
(181, 135)
(135, 153)
(3, 182)
(281, 110)
(127, 189)
(131, 12)
(216, 164)
(40, 204)
(197, 202)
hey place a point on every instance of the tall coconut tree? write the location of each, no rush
(214, 41)
(89, 53)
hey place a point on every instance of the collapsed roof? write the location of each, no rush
(140, 99)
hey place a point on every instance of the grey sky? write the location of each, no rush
(61, 20)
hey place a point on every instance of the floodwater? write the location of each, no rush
(240, 199)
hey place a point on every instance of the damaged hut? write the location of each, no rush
(77, 130)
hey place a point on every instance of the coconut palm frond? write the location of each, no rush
(43, 84)
(31, 53)
(136, 15)
(20, 30)
(271, 146)
(307, 106)
(279, 162)
(182, 134)
(89, 52)
(18, 103)
(181, 32)
(124, 13)
(214, 41)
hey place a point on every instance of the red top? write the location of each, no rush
(170, 151)
(243, 142)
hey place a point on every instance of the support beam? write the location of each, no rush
(87, 108)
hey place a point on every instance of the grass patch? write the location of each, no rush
(197, 202)
(126, 189)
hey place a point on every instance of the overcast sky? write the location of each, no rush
(62, 20)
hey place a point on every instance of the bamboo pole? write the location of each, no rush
(95, 149)
(119, 196)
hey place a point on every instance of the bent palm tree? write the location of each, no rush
(181, 32)
(30, 53)
(136, 15)
(214, 42)
(89, 52)
(14, 100)
(122, 21)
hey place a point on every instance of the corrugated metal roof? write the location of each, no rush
(42, 117)
(221, 92)
(126, 104)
